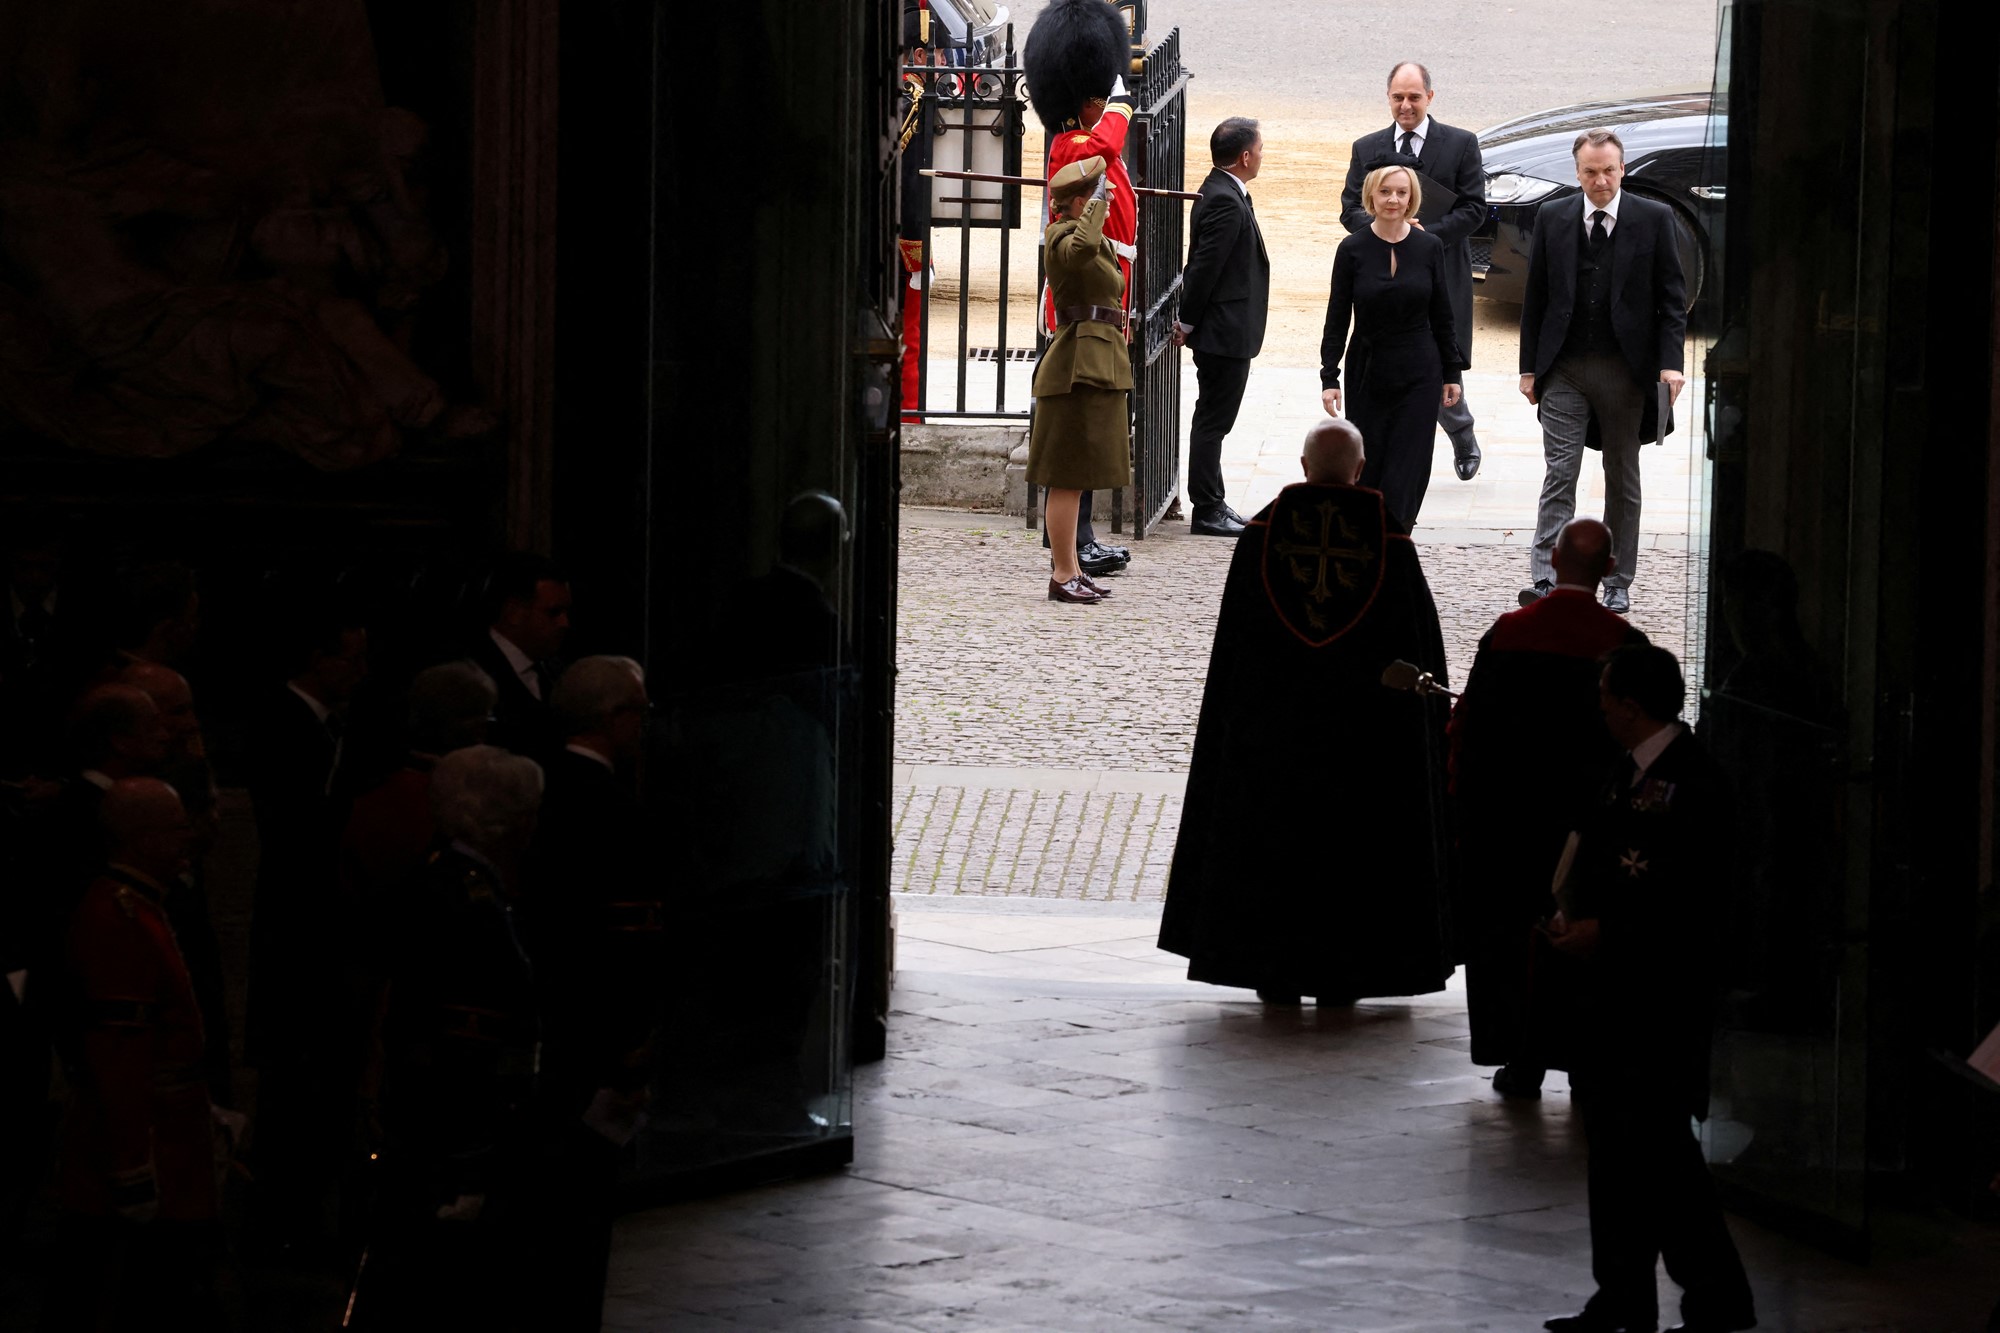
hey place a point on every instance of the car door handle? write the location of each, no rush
(1714, 192)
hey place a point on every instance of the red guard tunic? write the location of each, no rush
(138, 1129)
(1121, 224)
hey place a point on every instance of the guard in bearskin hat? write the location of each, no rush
(1074, 61)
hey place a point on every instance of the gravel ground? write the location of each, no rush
(993, 675)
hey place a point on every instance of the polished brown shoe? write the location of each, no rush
(1093, 585)
(1073, 591)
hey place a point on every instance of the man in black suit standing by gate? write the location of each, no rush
(1225, 300)
(1604, 322)
(1449, 156)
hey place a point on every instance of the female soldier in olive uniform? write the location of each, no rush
(1080, 439)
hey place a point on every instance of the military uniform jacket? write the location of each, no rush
(1653, 866)
(1083, 271)
(138, 1128)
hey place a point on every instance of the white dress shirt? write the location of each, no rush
(1647, 752)
(524, 666)
(1419, 136)
(1610, 214)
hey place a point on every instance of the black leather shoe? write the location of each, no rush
(1465, 455)
(1233, 514)
(1278, 997)
(1100, 551)
(1595, 1323)
(1217, 522)
(1619, 600)
(1099, 566)
(1542, 588)
(1520, 1084)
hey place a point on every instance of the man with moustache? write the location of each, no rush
(1449, 156)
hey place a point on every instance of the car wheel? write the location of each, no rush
(1693, 246)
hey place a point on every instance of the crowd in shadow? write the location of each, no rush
(421, 1065)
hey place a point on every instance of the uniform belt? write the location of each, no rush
(1103, 314)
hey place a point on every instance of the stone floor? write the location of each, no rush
(1067, 1137)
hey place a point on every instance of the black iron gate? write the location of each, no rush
(1156, 155)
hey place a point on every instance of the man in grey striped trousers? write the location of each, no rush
(1603, 329)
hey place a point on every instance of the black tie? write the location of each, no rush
(545, 679)
(1248, 202)
(1409, 137)
(1598, 234)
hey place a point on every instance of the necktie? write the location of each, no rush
(1598, 233)
(545, 681)
(1248, 202)
(1409, 137)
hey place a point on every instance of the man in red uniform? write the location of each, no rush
(1073, 58)
(1528, 750)
(138, 1174)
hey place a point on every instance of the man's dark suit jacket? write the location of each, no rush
(521, 722)
(1226, 287)
(1654, 865)
(291, 757)
(1451, 158)
(1648, 293)
(592, 922)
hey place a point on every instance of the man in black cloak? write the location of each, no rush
(1311, 858)
(1528, 753)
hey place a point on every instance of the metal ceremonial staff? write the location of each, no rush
(1030, 180)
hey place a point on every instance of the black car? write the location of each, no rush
(1674, 153)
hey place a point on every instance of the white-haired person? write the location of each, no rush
(460, 1036)
(594, 924)
(1401, 358)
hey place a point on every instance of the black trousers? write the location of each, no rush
(1219, 396)
(1651, 1199)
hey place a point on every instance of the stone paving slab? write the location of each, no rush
(1063, 1145)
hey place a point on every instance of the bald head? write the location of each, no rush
(1333, 454)
(1583, 553)
(146, 827)
(118, 730)
(168, 689)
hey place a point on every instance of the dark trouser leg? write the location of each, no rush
(570, 1222)
(1455, 420)
(1694, 1239)
(1617, 403)
(1219, 396)
(1624, 1235)
(1085, 532)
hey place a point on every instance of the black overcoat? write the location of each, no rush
(1311, 857)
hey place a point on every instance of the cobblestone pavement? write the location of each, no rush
(995, 677)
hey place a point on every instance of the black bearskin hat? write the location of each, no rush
(913, 24)
(1074, 51)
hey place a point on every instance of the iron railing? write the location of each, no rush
(1156, 155)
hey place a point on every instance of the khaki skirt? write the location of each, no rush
(1081, 441)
